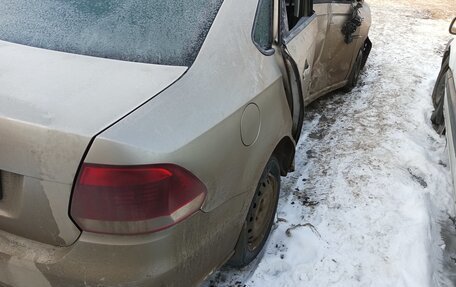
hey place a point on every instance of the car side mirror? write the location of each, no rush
(453, 27)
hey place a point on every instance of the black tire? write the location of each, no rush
(354, 74)
(437, 117)
(366, 51)
(439, 88)
(260, 217)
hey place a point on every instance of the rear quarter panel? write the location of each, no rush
(196, 122)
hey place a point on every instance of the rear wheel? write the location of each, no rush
(260, 217)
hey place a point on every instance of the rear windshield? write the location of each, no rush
(167, 32)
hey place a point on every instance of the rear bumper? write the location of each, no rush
(180, 256)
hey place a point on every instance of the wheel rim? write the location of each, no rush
(262, 211)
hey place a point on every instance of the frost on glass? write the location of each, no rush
(151, 31)
(263, 24)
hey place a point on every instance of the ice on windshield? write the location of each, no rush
(159, 31)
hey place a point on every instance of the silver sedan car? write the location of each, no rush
(142, 142)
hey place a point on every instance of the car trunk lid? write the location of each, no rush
(51, 105)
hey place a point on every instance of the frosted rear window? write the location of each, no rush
(168, 32)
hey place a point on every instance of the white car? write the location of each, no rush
(444, 99)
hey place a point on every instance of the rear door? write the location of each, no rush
(298, 27)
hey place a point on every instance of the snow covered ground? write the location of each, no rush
(371, 195)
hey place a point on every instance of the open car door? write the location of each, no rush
(348, 22)
(298, 30)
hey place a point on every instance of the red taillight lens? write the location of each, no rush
(134, 199)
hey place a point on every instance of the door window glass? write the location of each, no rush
(262, 28)
(297, 9)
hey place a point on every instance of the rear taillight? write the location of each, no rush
(134, 199)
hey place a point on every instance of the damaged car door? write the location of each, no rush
(342, 45)
(324, 45)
